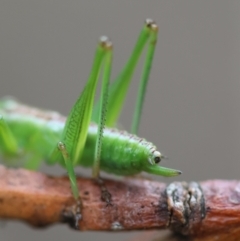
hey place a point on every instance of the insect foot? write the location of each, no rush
(72, 215)
(106, 197)
(78, 215)
(105, 194)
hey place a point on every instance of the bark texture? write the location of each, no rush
(209, 210)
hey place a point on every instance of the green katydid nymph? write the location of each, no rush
(36, 135)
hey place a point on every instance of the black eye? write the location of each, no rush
(157, 159)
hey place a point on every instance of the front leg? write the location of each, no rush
(76, 212)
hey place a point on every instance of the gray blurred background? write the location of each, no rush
(192, 110)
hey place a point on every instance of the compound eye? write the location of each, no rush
(157, 159)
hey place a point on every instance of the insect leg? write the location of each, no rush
(145, 75)
(7, 140)
(73, 181)
(106, 196)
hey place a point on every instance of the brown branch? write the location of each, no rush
(206, 210)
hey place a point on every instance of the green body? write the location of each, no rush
(37, 133)
(34, 136)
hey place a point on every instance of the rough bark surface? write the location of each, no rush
(208, 210)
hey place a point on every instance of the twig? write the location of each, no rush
(197, 211)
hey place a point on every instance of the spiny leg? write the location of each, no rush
(105, 195)
(119, 87)
(75, 130)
